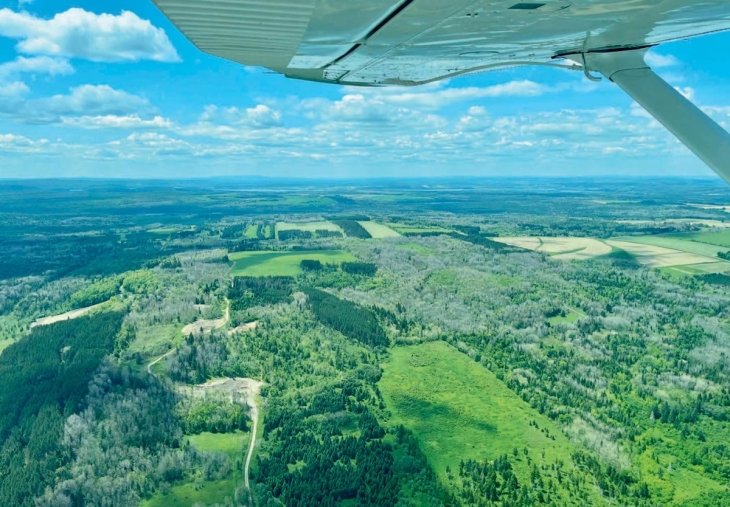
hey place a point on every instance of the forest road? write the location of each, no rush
(255, 417)
(226, 317)
(163, 356)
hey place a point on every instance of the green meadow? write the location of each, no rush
(193, 494)
(683, 243)
(251, 232)
(284, 263)
(409, 229)
(569, 318)
(458, 410)
(377, 230)
(231, 444)
(721, 238)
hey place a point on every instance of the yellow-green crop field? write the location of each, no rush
(377, 230)
(284, 263)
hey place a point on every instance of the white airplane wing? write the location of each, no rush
(411, 42)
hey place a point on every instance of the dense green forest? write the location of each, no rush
(44, 378)
(352, 228)
(471, 351)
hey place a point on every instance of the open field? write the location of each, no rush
(721, 238)
(306, 226)
(458, 410)
(73, 314)
(231, 444)
(284, 263)
(155, 340)
(711, 206)
(657, 256)
(169, 230)
(251, 232)
(162, 230)
(565, 248)
(377, 230)
(408, 229)
(688, 221)
(681, 242)
(189, 494)
(569, 318)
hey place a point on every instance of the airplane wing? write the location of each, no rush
(411, 42)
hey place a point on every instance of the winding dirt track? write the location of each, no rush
(255, 417)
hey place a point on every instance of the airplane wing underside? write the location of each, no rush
(373, 42)
(411, 42)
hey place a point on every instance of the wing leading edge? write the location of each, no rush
(411, 42)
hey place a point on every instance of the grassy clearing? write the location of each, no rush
(409, 229)
(284, 263)
(162, 230)
(458, 409)
(713, 238)
(251, 232)
(423, 250)
(377, 230)
(4, 344)
(231, 444)
(682, 242)
(568, 319)
(307, 226)
(155, 340)
(189, 494)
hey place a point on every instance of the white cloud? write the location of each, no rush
(90, 106)
(436, 98)
(77, 33)
(130, 121)
(688, 92)
(658, 61)
(13, 89)
(263, 116)
(36, 65)
(92, 100)
(14, 143)
(259, 116)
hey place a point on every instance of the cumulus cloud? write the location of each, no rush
(658, 61)
(436, 98)
(259, 116)
(130, 121)
(36, 65)
(13, 89)
(83, 105)
(77, 33)
(92, 100)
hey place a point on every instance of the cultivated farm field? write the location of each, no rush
(566, 248)
(415, 229)
(721, 238)
(307, 226)
(657, 256)
(683, 243)
(377, 230)
(283, 263)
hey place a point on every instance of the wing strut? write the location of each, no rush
(700, 133)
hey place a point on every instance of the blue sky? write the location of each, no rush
(117, 91)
